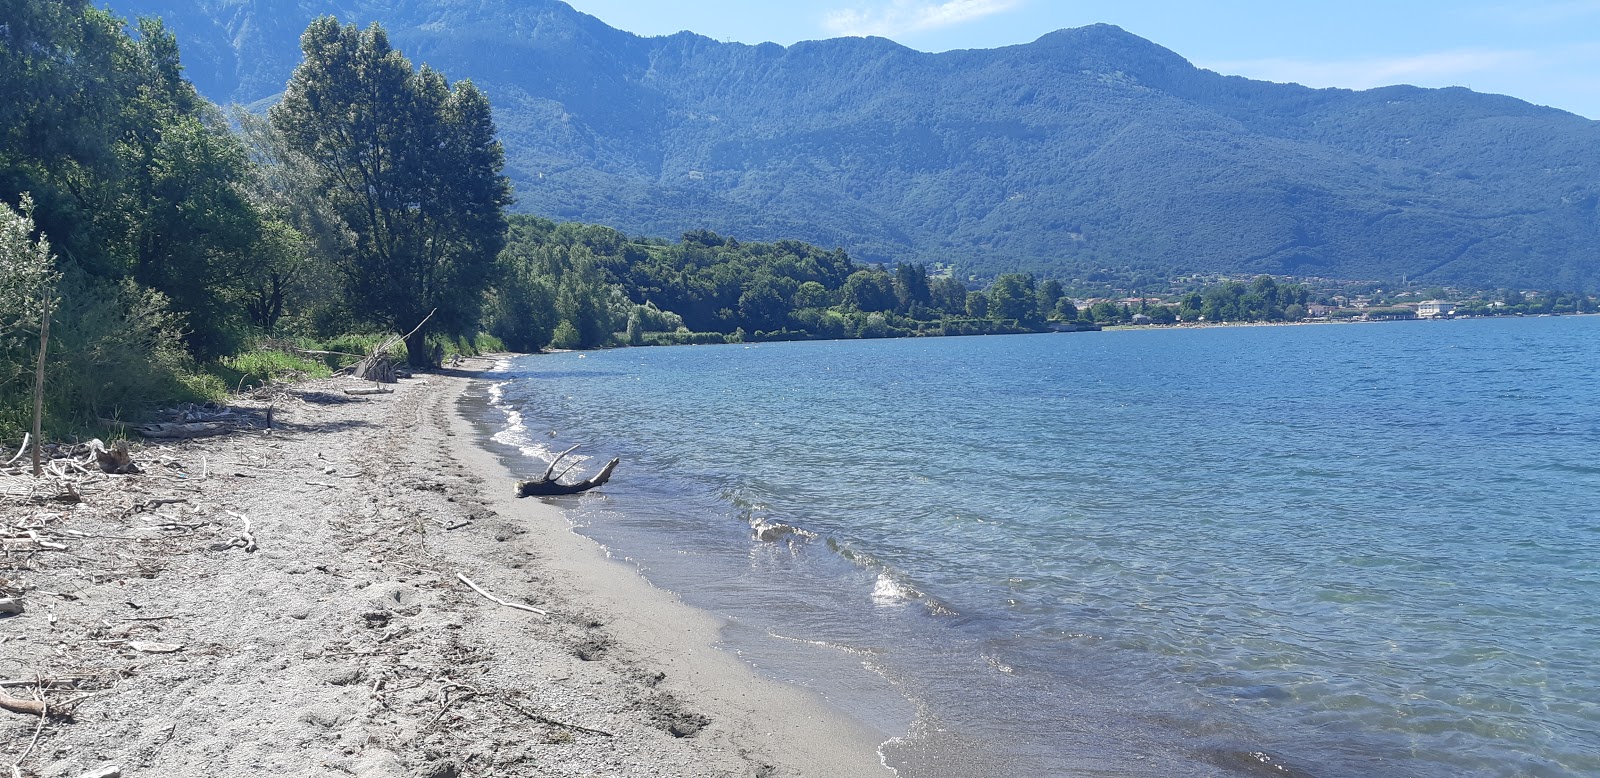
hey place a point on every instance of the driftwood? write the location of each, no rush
(365, 390)
(549, 485)
(116, 460)
(181, 429)
(497, 600)
(25, 707)
(377, 366)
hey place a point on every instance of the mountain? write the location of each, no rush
(1088, 148)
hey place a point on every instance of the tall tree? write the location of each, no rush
(411, 166)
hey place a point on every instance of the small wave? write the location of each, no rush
(851, 650)
(772, 532)
(889, 593)
(995, 662)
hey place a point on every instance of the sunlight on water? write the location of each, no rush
(1335, 550)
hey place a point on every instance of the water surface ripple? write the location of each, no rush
(1330, 550)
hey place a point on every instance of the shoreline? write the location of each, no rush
(343, 642)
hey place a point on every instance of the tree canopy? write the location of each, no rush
(413, 169)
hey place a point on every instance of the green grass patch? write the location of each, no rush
(266, 364)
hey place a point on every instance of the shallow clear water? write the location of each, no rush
(1330, 550)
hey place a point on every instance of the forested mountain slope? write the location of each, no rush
(1088, 148)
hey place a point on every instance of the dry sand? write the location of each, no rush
(345, 644)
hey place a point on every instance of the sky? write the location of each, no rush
(1543, 51)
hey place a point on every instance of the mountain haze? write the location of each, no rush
(1087, 148)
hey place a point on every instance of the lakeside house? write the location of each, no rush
(1435, 309)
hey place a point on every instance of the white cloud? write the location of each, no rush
(1437, 68)
(905, 16)
(1560, 75)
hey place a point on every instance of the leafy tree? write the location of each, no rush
(1014, 296)
(763, 306)
(412, 168)
(1050, 291)
(812, 295)
(1065, 310)
(950, 295)
(978, 305)
(869, 291)
(911, 287)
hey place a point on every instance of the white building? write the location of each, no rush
(1435, 309)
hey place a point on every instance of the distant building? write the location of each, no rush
(1318, 310)
(1140, 318)
(1435, 309)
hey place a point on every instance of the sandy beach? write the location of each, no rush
(334, 635)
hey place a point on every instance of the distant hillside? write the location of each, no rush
(1087, 148)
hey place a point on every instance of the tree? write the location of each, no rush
(950, 295)
(869, 291)
(412, 168)
(1050, 292)
(977, 305)
(762, 306)
(911, 287)
(1013, 296)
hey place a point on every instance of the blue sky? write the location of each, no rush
(1543, 51)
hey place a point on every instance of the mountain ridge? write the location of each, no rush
(1086, 148)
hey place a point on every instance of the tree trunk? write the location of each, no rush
(417, 352)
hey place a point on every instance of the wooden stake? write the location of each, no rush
(38, 383)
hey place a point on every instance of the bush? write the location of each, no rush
(115, 353)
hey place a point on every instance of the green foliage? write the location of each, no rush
(268, 363)
(148, 183)
(115, 352)
(412, 168)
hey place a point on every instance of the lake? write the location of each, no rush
(1343, 550)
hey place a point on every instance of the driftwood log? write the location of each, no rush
(549, 484)
(377, 366)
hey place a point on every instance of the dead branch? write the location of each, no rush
(366, 390)
(25, 707)
(554, 723)
(544, 486)
(553, 462)
(244, 539)
(22, 449)
(38, 382)
(377, 366)
(109, 771)
(492, 598)
(180, 430)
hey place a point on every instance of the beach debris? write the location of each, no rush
(25, 707)
(10, 605)
(116, 460)
(549, 484)
(359, 391)
(244, 539)
(492, 598)
(109, 771)
(154, 648)
(554, 722)
(377, 366)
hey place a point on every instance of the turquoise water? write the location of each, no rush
(1331, 550)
